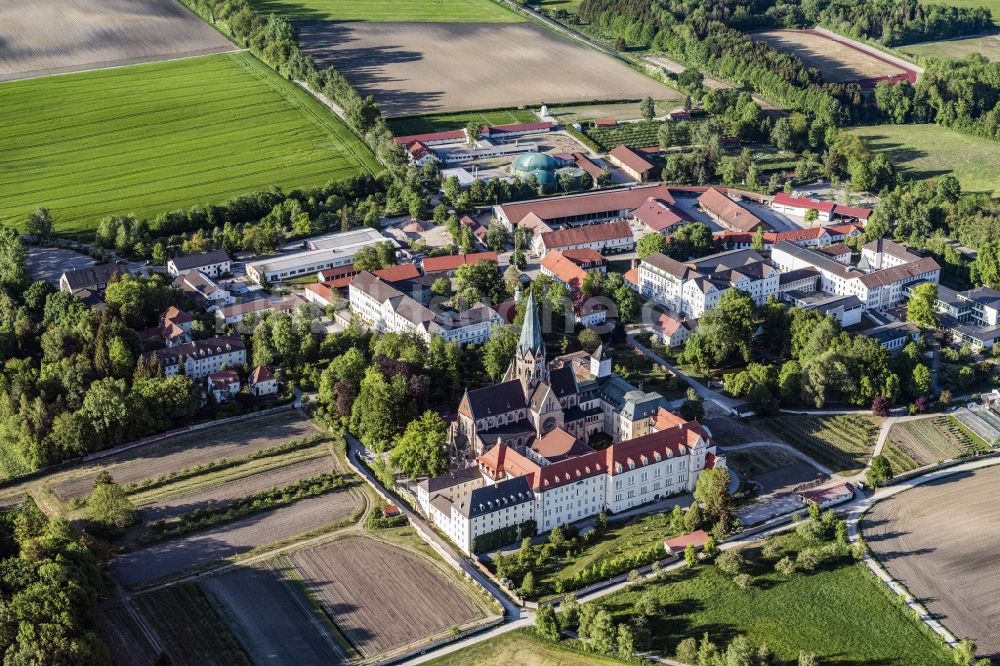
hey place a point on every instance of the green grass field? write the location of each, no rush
(993, 5)
(450, 121)
(988, 45)
(522, 648)
(159, 137)
(618, 110)
(842, 614)
(929, 151)
(842, 443)
(443, 11)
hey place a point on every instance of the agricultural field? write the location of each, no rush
(177, 622)
(271, 615)
(921, 152)
(452, 121)
(935, 439)
(154, 138)
(437, 11)
(840, 612)
(987, 45)
(939, 540)
(837, 61)
(382, 598)
(424, 68)
(842, 443)
(185, 451)
(41, 37)
(636, 135)
(521, 647)
(202, 549)
(899, 460)
(584, 113)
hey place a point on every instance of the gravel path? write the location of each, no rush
(199, 549)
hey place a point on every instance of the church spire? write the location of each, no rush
(530, 342)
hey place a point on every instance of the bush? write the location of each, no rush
(731, 562)
(785, 566)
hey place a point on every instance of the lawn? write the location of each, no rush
(444, 122)
(929, 151)
(931, 440)
(520, 647)
(154, 138)
(988, 45)
(638, 369)
(437, 11)
(841, 613)
(842, 443)
(617, 110)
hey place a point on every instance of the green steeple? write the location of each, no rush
(530, 341)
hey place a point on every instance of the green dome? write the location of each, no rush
(544, 177)
(534, 161)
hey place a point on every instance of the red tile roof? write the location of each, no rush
(559, 445)
(803, 203)
(600, 201)
(728, 211)
(677, 544)
(588, 165)
(338, 272)
(564, 269)
(452, 135)
(631, 159)
(632, 276)
(261, 373)
(849, 211)
(453, 261)
(843, 229)
(585, 256)
(830, 493)
(657, 215)
(814, 233)
(589, 234)
(396, 273)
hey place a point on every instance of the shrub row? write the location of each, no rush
(377, 520)
(614, 566)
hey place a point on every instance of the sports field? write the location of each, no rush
(444, 11)
(159, 137)
(987, 45)
(929, 151)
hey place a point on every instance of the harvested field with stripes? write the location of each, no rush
(42, 37)
(935, 439)
(154, 138)
(382, 598)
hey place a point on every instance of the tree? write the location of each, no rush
(880, 406)
(757, 242)
(528, 582)
(693, 407)
(921, 308)
(422, 450)
(647, 109)
(13, 258)
(690, 555)
(376, 410)
(497, 237)
(879, 471)
(589, 340)
(626, 642)
(921, 380)
(725, 331)
(649, 244)
(693, 517)
(441, 287)
(601, 633)
(109, 507)
(40, 224)
(498, 351)
(545, 623)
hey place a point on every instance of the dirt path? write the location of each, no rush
(200, 549)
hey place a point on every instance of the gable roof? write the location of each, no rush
(396, 273)
(501, 495)
(189, 261)
(586, 203)
(431, 137)
(631, 159)
(803, 203)
(261, 373)
(584, 255)
(97, 274)
(454, 261)
(727, 210)
(589, 234)
(657, 215)
(564, 269)
(559, 445)
(497, 399)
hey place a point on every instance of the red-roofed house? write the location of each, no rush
(841, 232)
(658, 216)
(607, 237)
(674, 331)
(791, 205)
(223, 385)
(432, 138)
(728, 213)
(605, 122)
(677, 544)
(321, 293)
(631, 162)
(631, 278)
(828, 496)
(397, 273)
(555, 265)
(262, 381)
(588, 165)
(587, 259)
(329, 274)
(452, 262)
(679, 114)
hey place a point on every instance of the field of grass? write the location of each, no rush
(842, 443)
(437, 11)
(988, 45)
(841, 613)
(523, 648)
(931, 440)
(618, 110)
(929, 151)
(992, 5)
(451, 121)
(640, 370)
(158, 137)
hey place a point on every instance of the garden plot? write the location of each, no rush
(935, 439)
(842, 443)
(202, 549)
(382, 598)
(422, 68)
(983, 422)
(42, 37)
(939, 540)
(188, 450)
(272, 618)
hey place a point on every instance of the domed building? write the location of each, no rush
(528, 164)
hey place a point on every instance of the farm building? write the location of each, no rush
(433, 138)
(324, 252)
(729, 213)
(678, 544)
(631, 162)
(508, 132)
(827, 211)
(658, 216)
(828, 496)
(607, 237)
(576, 209)
(213, 264)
